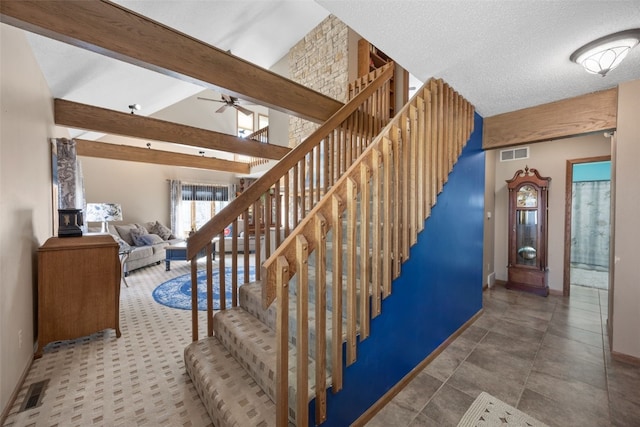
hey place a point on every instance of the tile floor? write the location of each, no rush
(546, 356)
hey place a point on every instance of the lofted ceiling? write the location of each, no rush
(502, 55)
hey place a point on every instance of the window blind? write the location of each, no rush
(205, 193)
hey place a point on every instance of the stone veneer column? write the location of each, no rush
(319, 61)
(67, 173)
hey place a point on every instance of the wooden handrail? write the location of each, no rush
(264, 214)
(221, 220)
(384, 196)
(307, 224)
(261, 135)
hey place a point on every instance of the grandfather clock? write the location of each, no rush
(528, 198)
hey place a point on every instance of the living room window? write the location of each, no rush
(245, 124)
(199, 203)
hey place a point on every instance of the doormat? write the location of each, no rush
(488, 411)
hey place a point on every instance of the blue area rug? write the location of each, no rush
(176, 293)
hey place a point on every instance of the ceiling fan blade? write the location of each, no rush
(221, 109)
(209, 99)
(243, 110)
(226, 98)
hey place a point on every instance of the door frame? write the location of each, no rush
(566, 276)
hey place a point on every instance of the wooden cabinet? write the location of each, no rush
(78, 288)
(528, 208)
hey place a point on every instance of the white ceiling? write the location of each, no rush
(502, 55)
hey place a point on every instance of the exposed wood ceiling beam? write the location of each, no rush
(136, 154)
(88, 117)
(111, 30)
(593, 112)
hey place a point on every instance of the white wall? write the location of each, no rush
(141, 188)
(194, 112)
(278, 121)
(626, 286)
(550, 159)
(488, 265)
(202, 114)
(26, 216)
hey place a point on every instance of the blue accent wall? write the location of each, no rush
(439, 290)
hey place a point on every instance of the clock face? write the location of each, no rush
(527, 197)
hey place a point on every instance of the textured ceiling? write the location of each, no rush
(502, 55)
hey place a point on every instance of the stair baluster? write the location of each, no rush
(378, 185)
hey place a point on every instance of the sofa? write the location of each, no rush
(145, 241)
(228, 240)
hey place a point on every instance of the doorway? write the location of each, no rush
(587, 223)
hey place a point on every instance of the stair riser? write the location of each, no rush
(253, 345)
(228, 393)
(250, 300)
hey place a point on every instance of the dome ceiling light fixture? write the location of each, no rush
(606, 53)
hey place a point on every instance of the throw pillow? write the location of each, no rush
(142, 227)
(162, 231)
(151, 239)
(136, 236)
(125, 232)
(123, 245)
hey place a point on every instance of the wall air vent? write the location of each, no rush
(514, 154)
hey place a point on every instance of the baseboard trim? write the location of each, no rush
(626, 358)
(16, 390)
(556, 292)
(386, 398)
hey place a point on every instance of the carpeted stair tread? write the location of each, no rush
(231, 396)
(250, 297)
(251, 300)
(253, 345)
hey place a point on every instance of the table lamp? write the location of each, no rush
(104, 212)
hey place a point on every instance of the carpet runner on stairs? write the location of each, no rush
(246, 334)
(253, 345)
(231, 396)
(251, 300)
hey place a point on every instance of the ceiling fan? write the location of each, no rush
(228, 101)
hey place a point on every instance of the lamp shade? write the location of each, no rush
(99, 212)
(606, 53)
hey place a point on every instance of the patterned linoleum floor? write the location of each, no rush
(548, 357)
(545, 356)
(138, 379)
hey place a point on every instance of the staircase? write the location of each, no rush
(353, 198)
